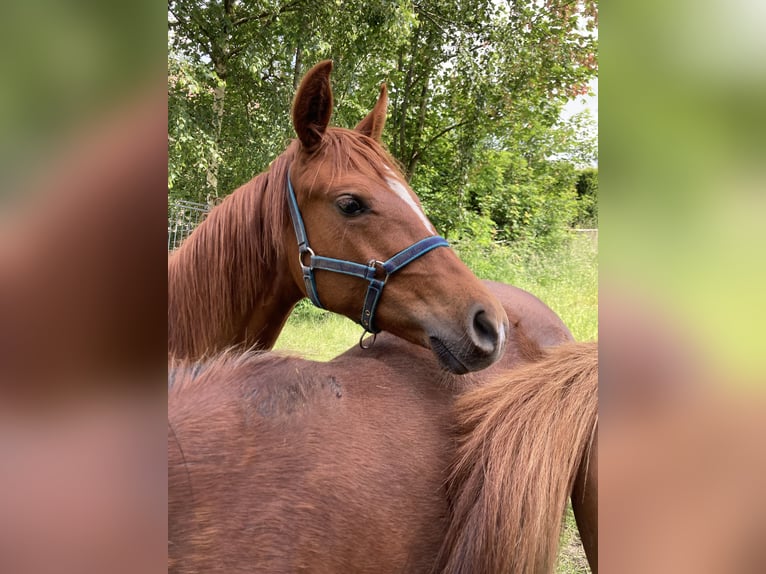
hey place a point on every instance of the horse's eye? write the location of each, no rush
(350, 205)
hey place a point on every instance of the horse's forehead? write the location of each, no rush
(328, 173)
(396, 186)
(384, 180)
(388, 182)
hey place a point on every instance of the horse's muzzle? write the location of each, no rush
(480, 345)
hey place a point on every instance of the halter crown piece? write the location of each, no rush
(367, 272)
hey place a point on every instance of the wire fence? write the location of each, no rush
(592, 233)
(183, 217)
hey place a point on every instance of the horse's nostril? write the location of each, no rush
(485, 331)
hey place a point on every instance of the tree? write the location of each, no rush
(464, 77)
(587, 198)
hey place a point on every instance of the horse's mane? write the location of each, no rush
(349, 151)
(521, 439)
(215, 272)
(231, 365)
(263, 382)
(233, 251)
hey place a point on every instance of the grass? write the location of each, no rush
(565, 279)
(572, 558)
(317, 334)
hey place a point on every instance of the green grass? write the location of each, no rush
(565, 279)
(572, 558)
(317, 334)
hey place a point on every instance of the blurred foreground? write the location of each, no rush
(682, 278)
(82, 352)
(83, 160)
(681, 458)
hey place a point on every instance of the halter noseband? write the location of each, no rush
(367, 272)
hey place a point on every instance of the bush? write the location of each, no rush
(531, 204)
(587, 198)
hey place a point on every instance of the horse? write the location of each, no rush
(280, 464)
(533, 324)
(332, 209)
(547, 332)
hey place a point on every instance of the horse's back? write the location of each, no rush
(540, 323)
(283, 465)
(288, 465)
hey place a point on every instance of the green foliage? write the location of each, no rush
(587, 198)
(534, 205)
(467, 80)
(191, 147)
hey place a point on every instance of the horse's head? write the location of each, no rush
(358, 208)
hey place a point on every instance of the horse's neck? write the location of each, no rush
(272, 304)
(224, 289)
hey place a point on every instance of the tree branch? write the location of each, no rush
(235, 51)
(438, 135)
(266, 15)
(205, 33)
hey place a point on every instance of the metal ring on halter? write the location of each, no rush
(303, 250)
(361, 339)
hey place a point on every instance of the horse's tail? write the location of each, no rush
(522, 438)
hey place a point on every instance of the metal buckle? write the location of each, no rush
(379, 265)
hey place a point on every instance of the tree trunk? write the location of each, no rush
(298, 62)
(219, 100)
(415, 153)
(408, 84)
(395, 116)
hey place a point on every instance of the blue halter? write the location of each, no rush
(367, 272)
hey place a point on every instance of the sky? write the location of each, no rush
(589, 102)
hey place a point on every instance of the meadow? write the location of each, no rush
(566, 279)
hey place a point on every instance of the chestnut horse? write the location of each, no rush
(424, 415)
(334, 220)
(279, 464)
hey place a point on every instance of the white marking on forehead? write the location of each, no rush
(397, 187)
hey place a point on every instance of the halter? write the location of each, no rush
(367, 272)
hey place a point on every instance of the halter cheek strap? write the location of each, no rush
(375, 272)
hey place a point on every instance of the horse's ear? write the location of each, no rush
(312, 106)
(372, 125)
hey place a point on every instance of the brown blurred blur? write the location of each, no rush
(82, 261)
(682, 466)
(83, 159)
(83, 489)
(82, 352)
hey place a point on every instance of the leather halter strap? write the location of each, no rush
(375, 272)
